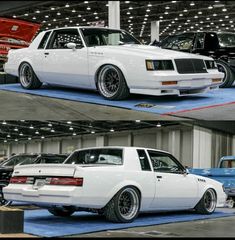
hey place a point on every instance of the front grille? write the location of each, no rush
(185, 66)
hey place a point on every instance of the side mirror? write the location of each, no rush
(186, 171)
(71, 45)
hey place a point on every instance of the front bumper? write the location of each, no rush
(185, 84)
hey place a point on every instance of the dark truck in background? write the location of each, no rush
(224, 173)
(218, 45)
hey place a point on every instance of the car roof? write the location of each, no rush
(227, 158)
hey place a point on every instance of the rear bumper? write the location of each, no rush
(52, 195)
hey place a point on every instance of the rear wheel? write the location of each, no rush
(228, 74)
(124, 206)
(207, 204)
(27, 77)
(63, 211)
(111, 83)
(3, 201)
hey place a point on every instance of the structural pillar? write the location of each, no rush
(114, 14)
(155, 26)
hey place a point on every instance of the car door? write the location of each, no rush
(62, 65)
(175, 189)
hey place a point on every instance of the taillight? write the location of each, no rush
(66, 181)
(18, 180)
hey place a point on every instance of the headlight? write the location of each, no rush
(159, 65)
(210, 64)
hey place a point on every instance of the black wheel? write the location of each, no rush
(207, 204)
(124, 206)
(111, 83)
(228, 74)
(3, 201)
(61, 211)
(27, 77)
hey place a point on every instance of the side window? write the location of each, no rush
(164, 163)
(144, 162)
(44, 40)
(60, 38)
(199, 41)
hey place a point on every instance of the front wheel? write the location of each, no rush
(27, 77)
(64, 211)
(124, 206)
(207, 204)
(228, 74)
(111, 83)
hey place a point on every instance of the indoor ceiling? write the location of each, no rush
(24, 130)
(136, 16)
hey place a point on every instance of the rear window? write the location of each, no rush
(50, 159)
(96, 156)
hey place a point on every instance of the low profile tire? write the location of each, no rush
(228, 74)
(27, 77)
(61, 211)
(111, 83)
(207, 204)
(124, 206)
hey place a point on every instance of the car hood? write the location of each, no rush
(18, 29)
(151, 52)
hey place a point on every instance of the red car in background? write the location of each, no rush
(15, 34)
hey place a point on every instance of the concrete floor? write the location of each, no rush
(18, 106)
(218, 227)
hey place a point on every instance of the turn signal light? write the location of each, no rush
(66, 181)
(169, 83)
(18, 180)
(214, 80)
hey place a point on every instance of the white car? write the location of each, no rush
(112, 61)
(118, 182)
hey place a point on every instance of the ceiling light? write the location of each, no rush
(31, 127)
(158, 125)
(130, 8)
(58, 13)
(224, 10)
(92, 132)
(67, 5)
(16, 140)
(29, 138)
(21, 134)
(46, 16)
(37, 11)
(192, 4)
(69, 122)
(185, 10)
(5, 141)
(167, 7)
(14, 16)
(71, 128)
(4, 122)
(26, 14)
(8, 135)
(52, 8)
(37, 132)
(34, 18)
(42, 137)
(148, 10)
(16, 129)
(112, 130)
(52, 130)
(73, 10)
(210, 7)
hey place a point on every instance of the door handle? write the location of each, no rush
(46, 53)
(159, 176)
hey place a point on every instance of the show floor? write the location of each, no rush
(16, 106)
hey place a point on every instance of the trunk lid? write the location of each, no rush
(35, 170)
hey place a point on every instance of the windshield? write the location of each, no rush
(96, 156)
(102, 37)
(178, 42)
(228, 164)
(226, 39)
(18, 159)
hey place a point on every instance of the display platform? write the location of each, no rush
(43, 224)
(159, 105)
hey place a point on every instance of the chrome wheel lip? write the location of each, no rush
(131, 209)
(224, 70)
(25, 75)
(210, 200)
(109, 83)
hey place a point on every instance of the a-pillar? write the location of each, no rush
(155, 28)
(114, 14)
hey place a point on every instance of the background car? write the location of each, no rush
(111, 61)
(218, 45)
(118, 182)
(15, 34)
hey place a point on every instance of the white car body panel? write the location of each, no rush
(101, 183)
(78, 68)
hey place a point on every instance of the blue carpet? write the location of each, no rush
(42, 223)
(159, 105)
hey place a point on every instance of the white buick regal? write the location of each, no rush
(111, 61)
(118, 182)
